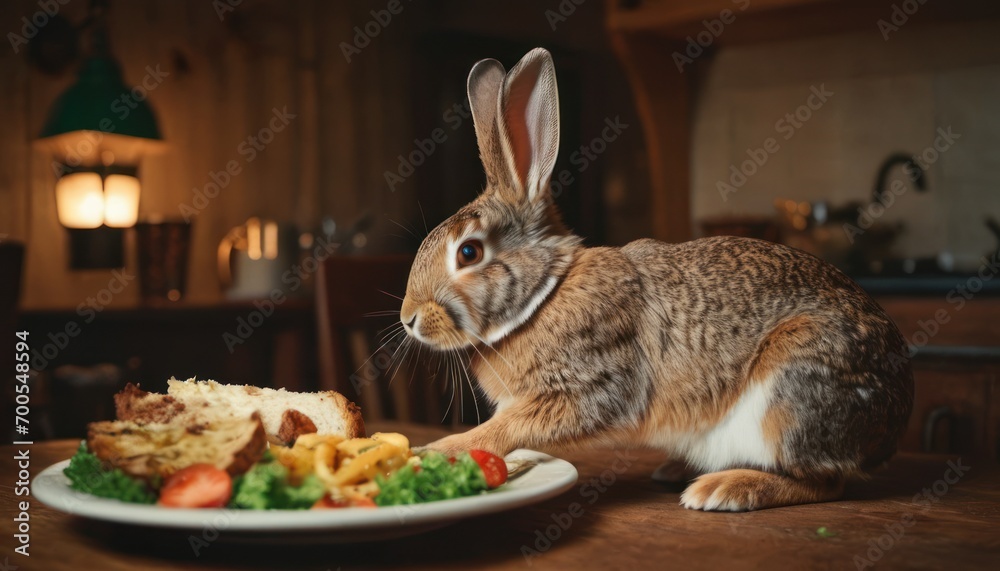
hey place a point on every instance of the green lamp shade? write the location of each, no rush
(100, 114)
(100, 101)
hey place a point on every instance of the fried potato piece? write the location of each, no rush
(346, 467)
(300, 459)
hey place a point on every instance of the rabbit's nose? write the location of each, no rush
(411, 325)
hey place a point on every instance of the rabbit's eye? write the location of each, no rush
(470, 252)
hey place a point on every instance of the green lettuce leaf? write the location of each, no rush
(86, 474)
(265, 487)
(437, 479)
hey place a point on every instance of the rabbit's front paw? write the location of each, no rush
(742, 490)
(449, 445)
(719, 491)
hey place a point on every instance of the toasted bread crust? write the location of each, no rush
(251, 453)
(355, 423)
(133, 403)
(283, 419)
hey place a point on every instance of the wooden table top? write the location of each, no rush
(628, 522)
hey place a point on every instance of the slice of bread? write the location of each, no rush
(158, 449)
(284, 414)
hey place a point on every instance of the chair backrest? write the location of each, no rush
(355, 359)
(11, 261)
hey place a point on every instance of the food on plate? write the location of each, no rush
(197, 486)
(493, 467)
(267, 486)
(205, 445)
(323, 471)
(88, 474)
(285, 414)
(435, 477)
(160, 449)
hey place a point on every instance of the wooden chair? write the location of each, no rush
(354, 359)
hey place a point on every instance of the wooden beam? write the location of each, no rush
(660, 15)
(753, 21)
(663, 98)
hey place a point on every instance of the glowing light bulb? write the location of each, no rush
(121, 200)
(80, 200)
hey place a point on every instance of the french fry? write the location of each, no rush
(354, 447)
(298, 461)
(323, 459)
(346, 467)
(364, 467)
(394, 438)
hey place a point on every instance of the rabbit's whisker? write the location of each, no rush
(391, 328)
(437, 375)
(392, 361)
(392, 358)
(472, 389)
(406, 346)
(461, 389)
(389, 340)
(438, 370)
(426, 231)
(413, 369)
(391, 295)
(451, 400)
(492, 348)
(495, 373)
(461, 385)
(388, 335)
(382, 313)
(403, 227)
(464, 369)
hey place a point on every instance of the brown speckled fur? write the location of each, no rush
(651, 343)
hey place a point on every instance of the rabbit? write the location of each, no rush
(759, 366)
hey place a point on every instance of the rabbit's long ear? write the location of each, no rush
(485, 83)
(528, 118)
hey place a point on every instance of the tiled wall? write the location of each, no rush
(887, 96)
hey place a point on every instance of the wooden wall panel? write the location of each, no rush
(14, 152)
(226, 75)
(46, 259)
(226, 78)
(944, 322)
(307, 150)
(338, 177)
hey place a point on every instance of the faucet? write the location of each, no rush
(913, 170)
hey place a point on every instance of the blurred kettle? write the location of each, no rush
(254, 256)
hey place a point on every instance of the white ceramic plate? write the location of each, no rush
(549, 478)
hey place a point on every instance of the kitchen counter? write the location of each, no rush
(931, 285)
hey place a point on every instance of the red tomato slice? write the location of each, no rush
(493, 467)
(326, 502)
(197, 486)
(363, 503)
